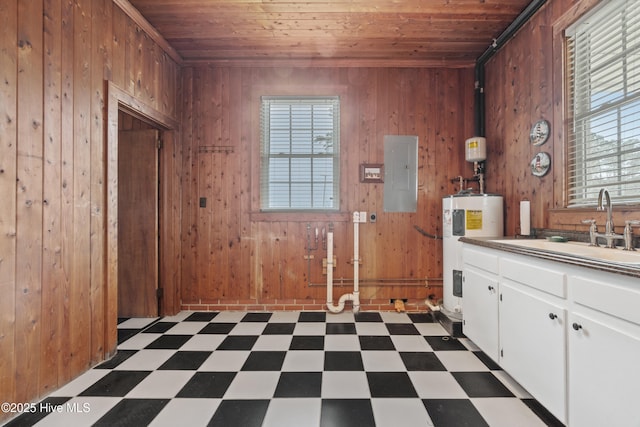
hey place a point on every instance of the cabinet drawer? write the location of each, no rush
(536, 275)
(613, 299)
(485, 260)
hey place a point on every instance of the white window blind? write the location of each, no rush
(300, 147)
(604, 104)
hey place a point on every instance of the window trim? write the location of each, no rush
(561, 34)
(253, 168)
(560, 216)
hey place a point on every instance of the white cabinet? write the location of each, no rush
(570, 335)
(480, 315)
(532, 328)
(533, 346)
(604, 352)
(604, 376)
(480, 300)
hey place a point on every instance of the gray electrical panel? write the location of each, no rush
(400, 173)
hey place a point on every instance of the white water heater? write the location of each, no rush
(470, 215)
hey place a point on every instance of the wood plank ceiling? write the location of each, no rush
(334, 32)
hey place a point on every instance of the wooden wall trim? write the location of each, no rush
(111, 282)
(301, 216)
(560, 116)
(330, 63)
(118, 99)
(559, 119)
(287, 89)
(139, 109)
(573, 14)
(140, 20)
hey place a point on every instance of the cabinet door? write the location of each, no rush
(480, 314)
(533, 345)
(604, 373)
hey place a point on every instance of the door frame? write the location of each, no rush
(169, 208)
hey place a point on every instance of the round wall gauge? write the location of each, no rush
(539, 132)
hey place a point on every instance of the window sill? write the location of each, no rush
(300, 216)
(581, 209)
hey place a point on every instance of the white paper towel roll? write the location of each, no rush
(525, 217)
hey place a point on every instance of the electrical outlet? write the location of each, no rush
(363, 216)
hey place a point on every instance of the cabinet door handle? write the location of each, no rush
(491, 288)
(576, 326)
(553, 316)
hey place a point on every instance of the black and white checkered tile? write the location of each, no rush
(290, 369)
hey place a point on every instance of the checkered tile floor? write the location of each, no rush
(290, 369)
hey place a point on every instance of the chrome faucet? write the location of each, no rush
(609, 225)
(609, 234)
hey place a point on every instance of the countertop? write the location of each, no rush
(627, 269)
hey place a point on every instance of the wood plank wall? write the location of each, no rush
(55, 56)
(235, 257)
(524, 84)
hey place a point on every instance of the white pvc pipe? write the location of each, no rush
(356, 262)
(355, 296)
(333, 308)
(330, 270)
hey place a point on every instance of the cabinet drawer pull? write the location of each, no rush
(576, 326)
(553, 316)
(490, 288)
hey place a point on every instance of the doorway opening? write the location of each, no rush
(139, 284)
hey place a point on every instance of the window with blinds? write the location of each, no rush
(300, 153)
(604, 104)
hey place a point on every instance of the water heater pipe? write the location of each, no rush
(432, 306)
(501, 40)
